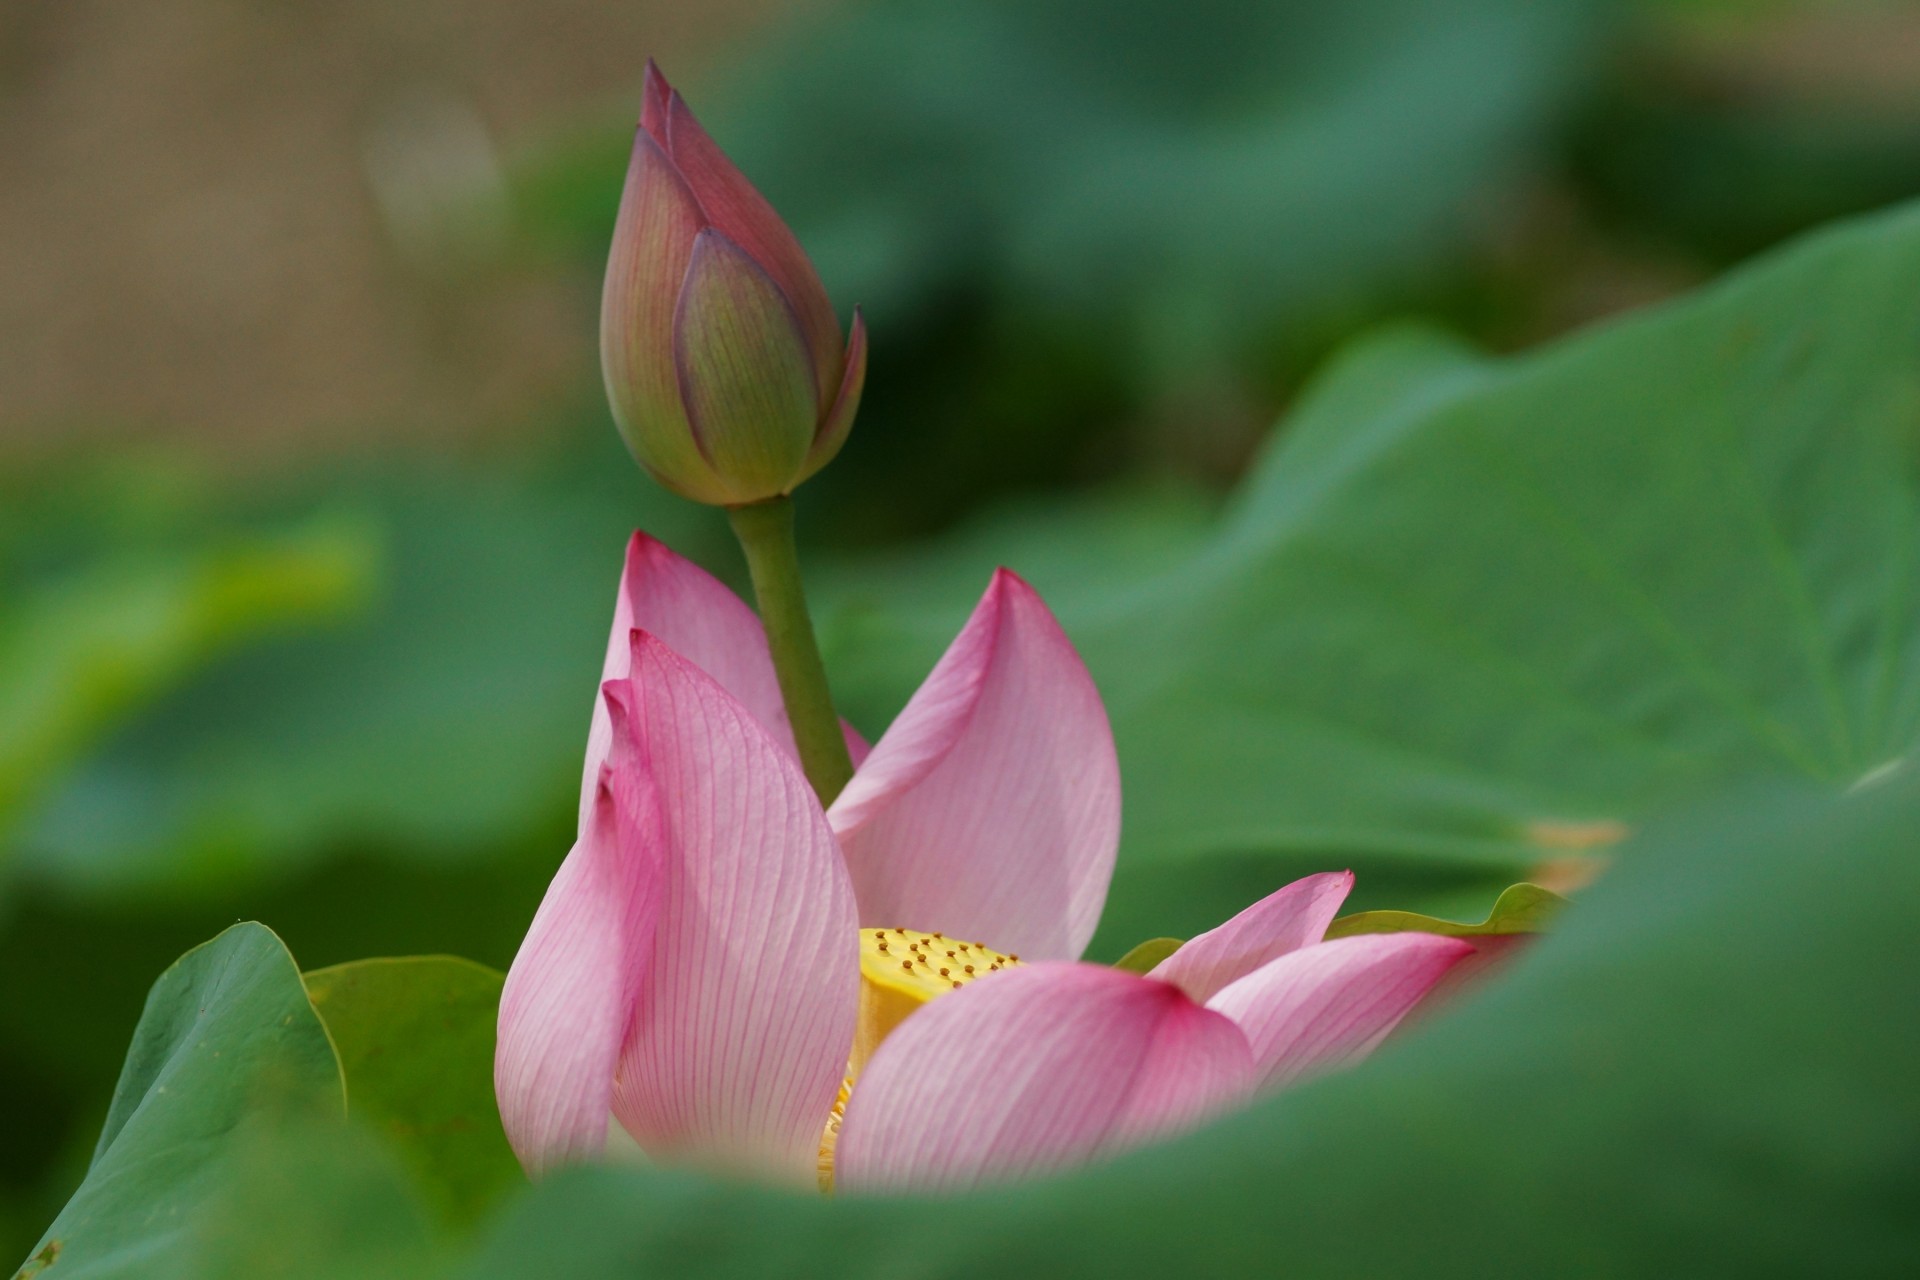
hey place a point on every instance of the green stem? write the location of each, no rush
(765, 530)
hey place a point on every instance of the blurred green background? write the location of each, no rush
(311, 512)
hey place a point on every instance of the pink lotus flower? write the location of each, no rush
(722, 357)
(886, 994)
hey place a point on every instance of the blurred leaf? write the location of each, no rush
(1465, 606)
(1733, 125)
(447, 723)
(1182, 174)
(227, 1031)
(415, 1039)
(1523, 908)
(1143, 958)
(1775, 1137)
(84, 652)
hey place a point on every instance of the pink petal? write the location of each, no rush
(1285, 920)
(736, 207)
(646, 263)
(746, 1010)
(1327, 1005)
(570, 994)
(990, 809)
(858, 748)
(700, 619)
(1033, 1069)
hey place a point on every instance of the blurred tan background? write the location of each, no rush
(227, 218)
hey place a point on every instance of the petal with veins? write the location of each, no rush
(699, 618)
(1286, 920)
(990, 808)
(746, 1010)
(570, 994)
(1034, 1069)
(1328, 1005)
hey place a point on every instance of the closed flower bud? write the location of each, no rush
(723, 359)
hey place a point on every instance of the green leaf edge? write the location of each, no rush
(455, 1210)
(327, 971)
(1520, 908)
(1147, 955)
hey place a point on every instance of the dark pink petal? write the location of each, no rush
(839, 420)
(1325, 1006)
(654, 91)
(750, 393)
(732, 204)
(858, 748)
(652, 244)
(570, 994)
(746, 1009)
(1286, 920)
(1033, 1069)
(990, 809)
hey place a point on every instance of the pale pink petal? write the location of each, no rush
(746, 1010)
(1285, 920)
(990, 809)
(1328, 1005)
(699, 618)
(1033, 1069)
(570, 994)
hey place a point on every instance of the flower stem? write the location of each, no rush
(765, 530)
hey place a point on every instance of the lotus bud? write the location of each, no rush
(723, 360)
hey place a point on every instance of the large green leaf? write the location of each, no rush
(1710, 1069)
(415, 1037)
(308, 1198)
(228, 1035)
(1469, 613)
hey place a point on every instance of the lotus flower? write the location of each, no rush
(723, 360)
(886, 995)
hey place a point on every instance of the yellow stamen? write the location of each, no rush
(893, 983)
